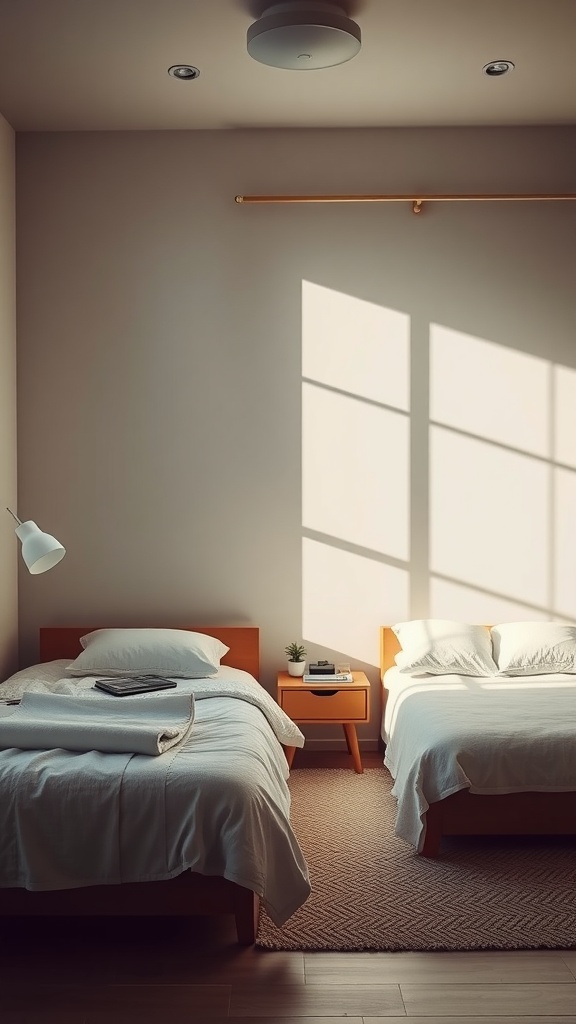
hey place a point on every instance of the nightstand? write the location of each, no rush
(326, 704)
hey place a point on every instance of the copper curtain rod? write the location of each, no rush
(416, 200)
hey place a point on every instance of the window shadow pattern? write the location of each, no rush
(499, 486)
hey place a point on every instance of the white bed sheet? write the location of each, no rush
(218, 804)
(486, 734)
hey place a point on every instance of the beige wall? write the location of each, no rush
(8, 543)
(160, 380)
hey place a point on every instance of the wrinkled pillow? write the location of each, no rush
(534, 648)
(444, 647)
(134, 652)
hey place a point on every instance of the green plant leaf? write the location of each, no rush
(295, 651)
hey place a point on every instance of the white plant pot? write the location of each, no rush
(296, 668)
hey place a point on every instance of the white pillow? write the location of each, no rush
(534, 648)
(441, 647)
(134, 652)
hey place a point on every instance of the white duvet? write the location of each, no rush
(218, 804)
(488, 735)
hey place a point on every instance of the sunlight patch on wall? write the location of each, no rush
(467, 604)
(500, 520)
(565, 416)
(346, 598)
(499, 488)
(355, 469)
(491, 391)
(564, 542)
(490, 517)
(355, 346)
(351, 451)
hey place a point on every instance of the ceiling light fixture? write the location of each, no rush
(497, 68)
(303, 35)
(185, 72)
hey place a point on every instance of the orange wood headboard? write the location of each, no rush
(243, 641)
(389, 647)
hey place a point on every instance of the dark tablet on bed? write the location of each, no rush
(123, 687)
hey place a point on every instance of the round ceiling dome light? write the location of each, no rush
(185, 72)
(303, 35)
(497, 68)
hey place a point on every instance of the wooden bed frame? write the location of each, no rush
(465, 813)
(188, 893)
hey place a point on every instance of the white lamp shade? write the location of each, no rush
(40, 551)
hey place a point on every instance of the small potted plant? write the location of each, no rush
(296, 654)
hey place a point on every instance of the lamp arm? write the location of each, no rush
(19, 521)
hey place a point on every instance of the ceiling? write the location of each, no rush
(70, 65)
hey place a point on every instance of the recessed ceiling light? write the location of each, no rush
(496, 68)
(185, 72)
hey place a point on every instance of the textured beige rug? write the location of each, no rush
(371, 892)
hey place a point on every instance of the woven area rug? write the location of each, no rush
(371, 892)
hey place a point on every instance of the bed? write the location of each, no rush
(408, 709)
(258, 753)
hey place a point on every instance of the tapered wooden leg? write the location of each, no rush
(352, 741)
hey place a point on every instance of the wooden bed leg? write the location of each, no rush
(246, 914)
(289, 754)
(433, 837)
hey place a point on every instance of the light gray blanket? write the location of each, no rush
(488, 734)
(217, 803)
(113, 725)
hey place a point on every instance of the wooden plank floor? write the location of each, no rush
(159, 970)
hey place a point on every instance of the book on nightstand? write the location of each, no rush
(333, 677)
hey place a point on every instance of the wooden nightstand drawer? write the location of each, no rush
(325, 703)
(325, 706)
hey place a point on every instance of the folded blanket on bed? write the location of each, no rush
(47, 721)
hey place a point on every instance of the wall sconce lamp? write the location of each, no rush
(40, 551)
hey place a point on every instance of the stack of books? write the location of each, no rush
(336, 677)
(323, 672)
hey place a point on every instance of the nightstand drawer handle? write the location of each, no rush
(323, 693)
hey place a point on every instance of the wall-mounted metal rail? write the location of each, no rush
(417, 201)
